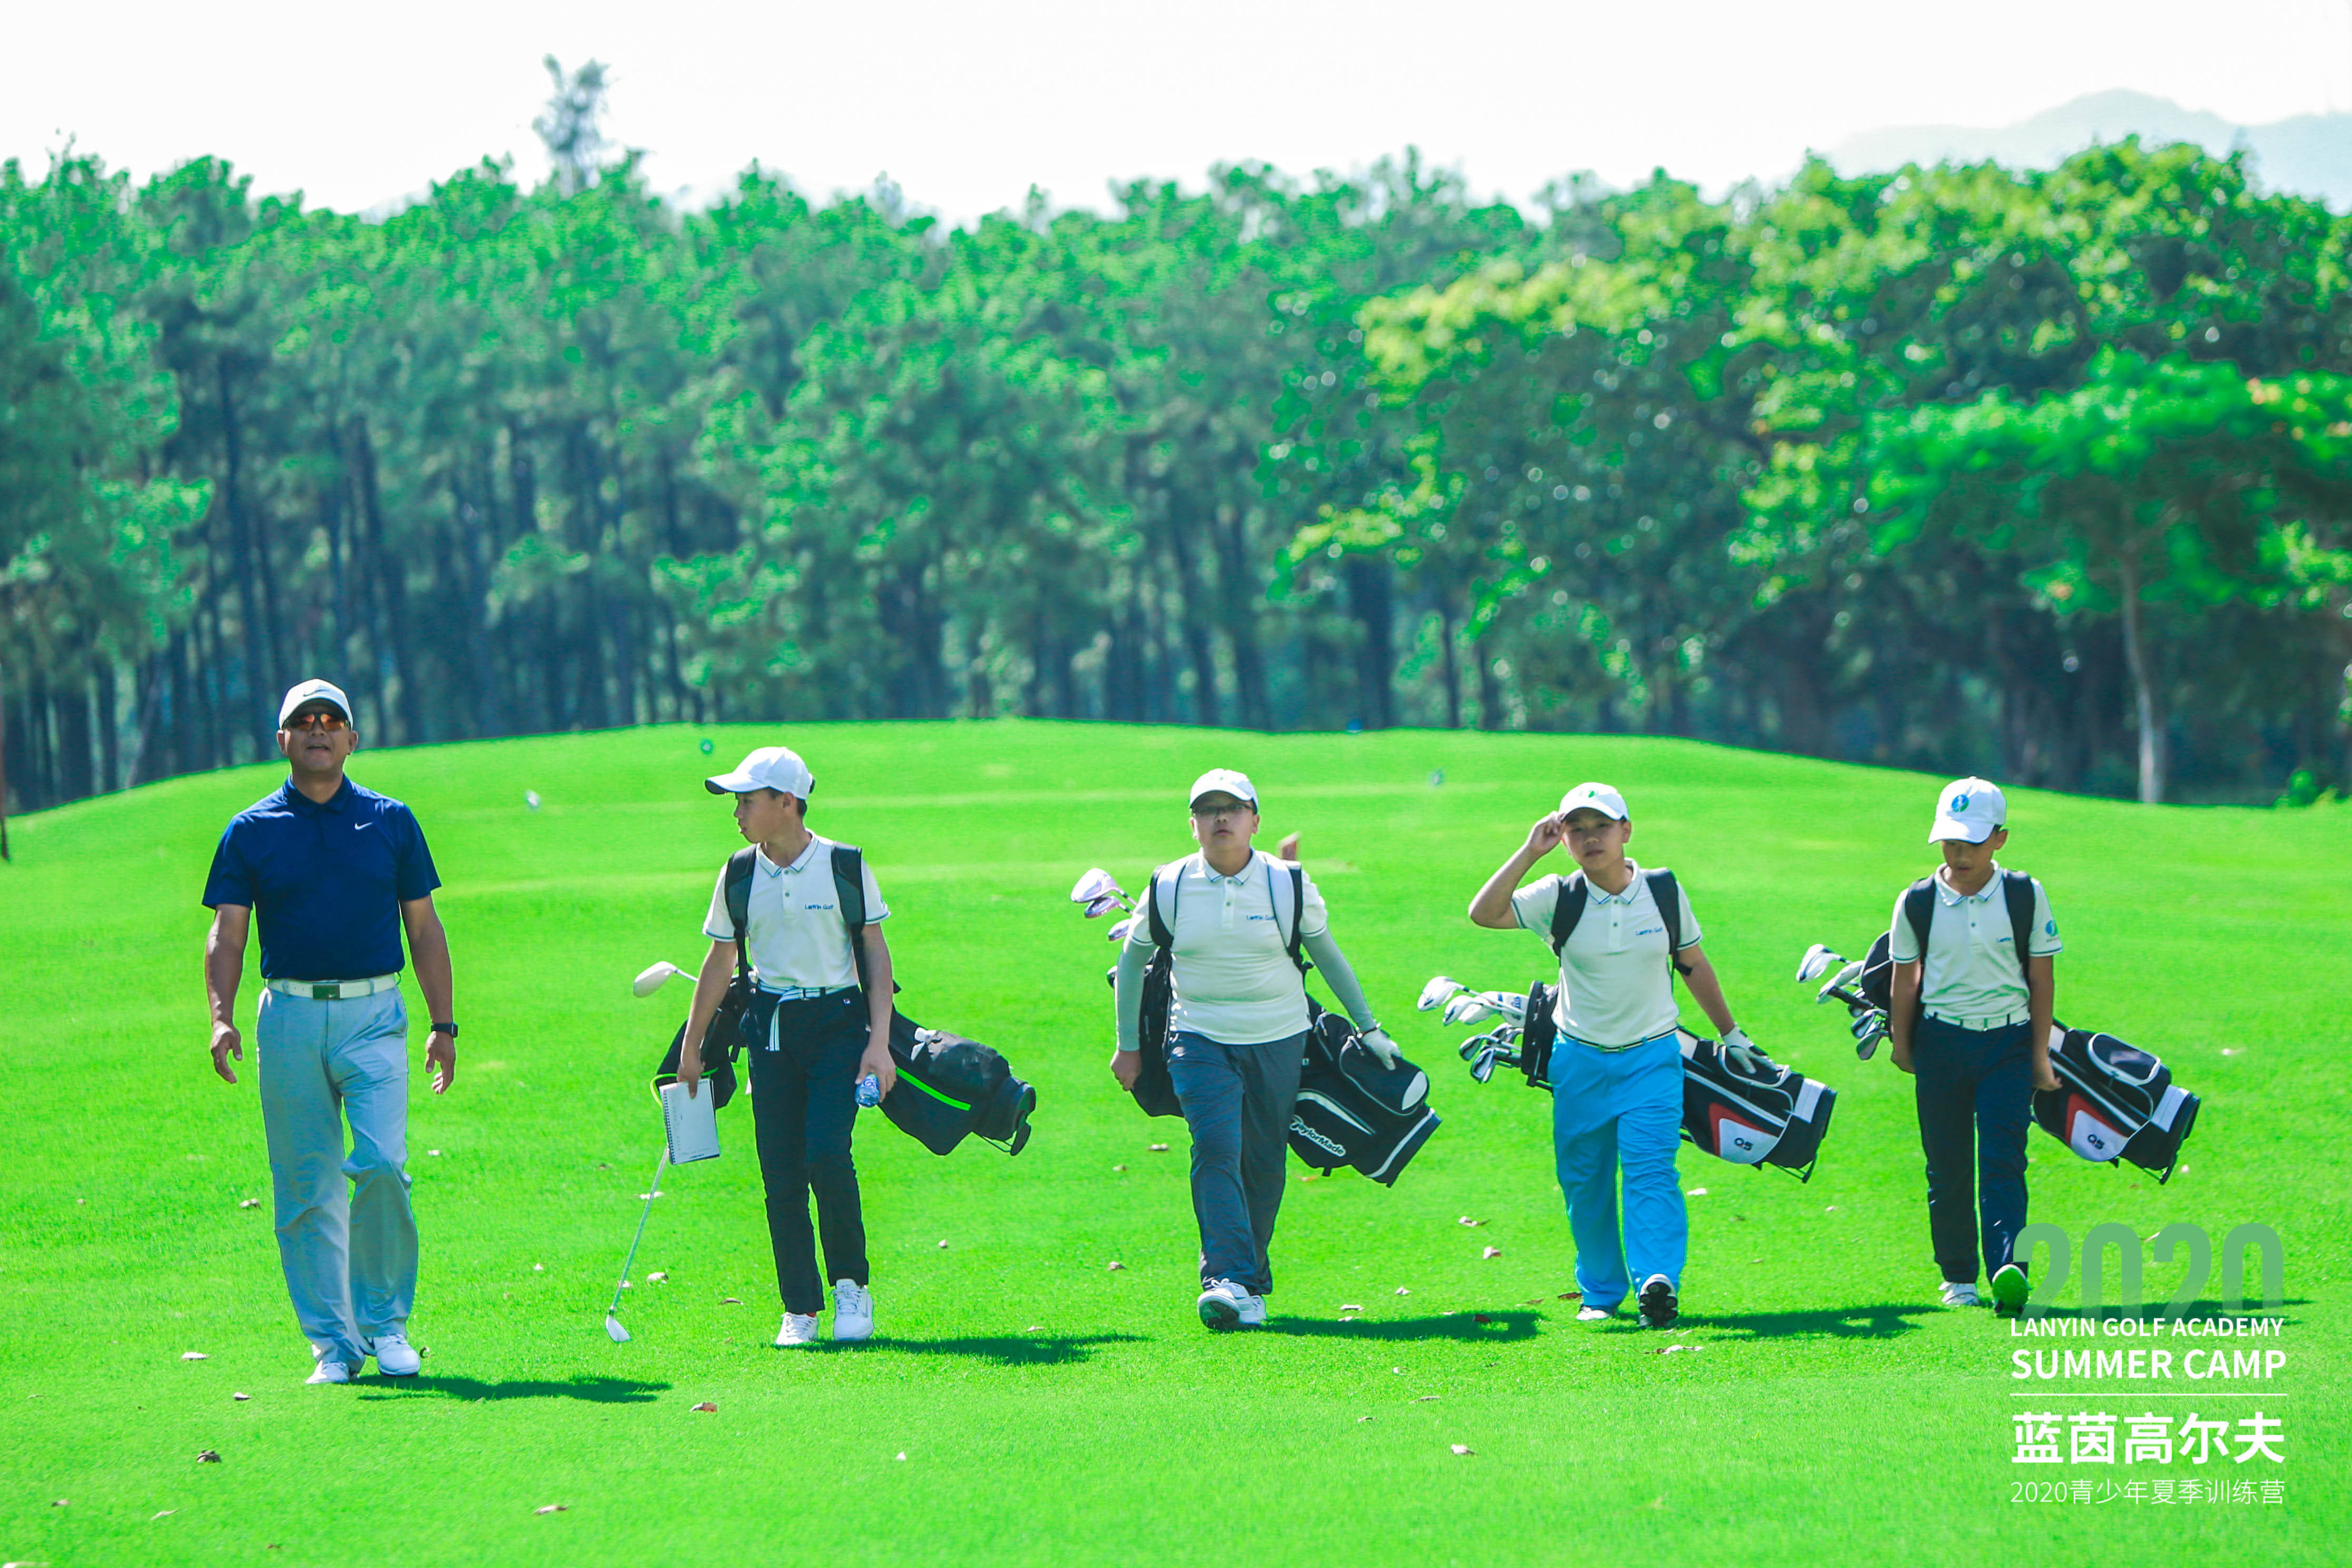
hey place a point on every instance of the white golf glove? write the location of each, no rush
(1378, 1042)
(1742, 1050)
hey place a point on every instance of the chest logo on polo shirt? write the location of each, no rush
(824, 908)
(1649, 931)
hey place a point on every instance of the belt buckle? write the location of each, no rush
(330, 993)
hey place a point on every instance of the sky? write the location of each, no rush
(966, 106)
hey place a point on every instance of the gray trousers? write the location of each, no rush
(346, 1236)
(1238, 1100)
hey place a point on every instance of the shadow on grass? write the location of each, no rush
(1886, 1320)
(594, 1390)
(1510, 1325)
(1004, 1350)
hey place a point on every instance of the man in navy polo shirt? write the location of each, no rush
(336, 873)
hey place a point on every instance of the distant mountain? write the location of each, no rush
(2310, 154)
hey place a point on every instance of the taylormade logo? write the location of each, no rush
(1316, 1138)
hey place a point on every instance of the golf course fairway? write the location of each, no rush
(1024, 1401)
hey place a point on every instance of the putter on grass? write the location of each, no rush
(612, 1323)
(654, 978)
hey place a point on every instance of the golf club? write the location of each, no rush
(654, 978)
(652, 1190)
(1096, 884)
(1468, 1008)
(1104, 905)
(1438, 992)
(1118, 931)
(1818, 961)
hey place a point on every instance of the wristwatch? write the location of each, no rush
(448, 1029)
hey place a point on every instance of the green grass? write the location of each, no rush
(1048, 1408)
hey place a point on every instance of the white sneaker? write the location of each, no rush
(1595, 1314)
(1958, 1294)
(799, 1329)
(1225, 1305)
(853, 1311)
(330, 1372)
(394, 1356)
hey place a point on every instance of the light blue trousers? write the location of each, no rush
(1612, 1110)
(346, 1236)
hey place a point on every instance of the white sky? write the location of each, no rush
(967, 106)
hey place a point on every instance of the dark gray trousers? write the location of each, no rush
(1238, 1100)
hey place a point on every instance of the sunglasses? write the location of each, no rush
(332, 723)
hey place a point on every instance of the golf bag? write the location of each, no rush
(1351, 1110)
(949, 1088)
(2114, 1101)
(1776, 1117)
(743, 1013)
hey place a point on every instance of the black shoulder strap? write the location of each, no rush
(1163, 931)
(1919, 910)
(1668, 895)
(1298, 918)
(2017, 889)
(849, 897)
(739, 903)
(1567, 911)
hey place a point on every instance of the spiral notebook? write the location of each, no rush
(692, 1122)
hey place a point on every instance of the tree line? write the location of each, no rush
(2046, 474)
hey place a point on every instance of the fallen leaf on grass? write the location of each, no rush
(61, 1502)
(248, 1203)
(731, 1300)
(1034, 1328)
(161, 1513)
(2229, 1051)
(902, 1454)
(1427, 1398)
(1830, 1209)
(207, 1457)
(1492, 1252)
(435, 1153)
(538, 1268)
(193, 1356)
(1118, 1167)
(1480, 1318)
(1465, 1219)
(1350, 1307)
(657, 1276)
(240, 1398)
(1117, 1266)
(1695, 1192)
(1398, 1370)
(1571, 1295)
(554, 1508)
(707, 1407)
(1404, 1290)
(1361, 1419)
(943, 1243)
(1159, 1149)
(1463, 1449)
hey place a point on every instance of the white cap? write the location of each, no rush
(1968, 809)
(313, 690)
(1601, 798)
(770, 768)
(1237, 785)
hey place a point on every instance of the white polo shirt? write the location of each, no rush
(793, 926)
(1233, 978)
(1973, 975)
(1616, 987)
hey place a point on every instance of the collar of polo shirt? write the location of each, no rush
(1214, 875)
(1953, 897)
(304, 803)
(1593, 894)
(799, 863)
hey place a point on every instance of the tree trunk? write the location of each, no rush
(4, 766)
(1450, 662)
(1371, 600)
(2144, 704)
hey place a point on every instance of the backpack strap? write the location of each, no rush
(1668, 895)
(1566, 910)
(849, 897)
(1163, 930)
(738, 906)
(2017, 890)
(1920, 912)
(1298, 915)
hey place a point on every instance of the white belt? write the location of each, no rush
(1980, 1025)
(801, 993)
(1616, 1049)
(335, 991)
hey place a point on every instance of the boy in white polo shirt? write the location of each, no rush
(1236, 1031)
(824, 1034)
(1617, 1068)
(1970, 1022)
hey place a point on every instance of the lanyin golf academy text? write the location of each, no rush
(2200, 1362)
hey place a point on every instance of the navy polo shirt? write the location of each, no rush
(325, 883)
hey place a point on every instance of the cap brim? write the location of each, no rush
(732, 784)
(1946, 828)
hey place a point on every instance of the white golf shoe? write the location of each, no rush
(853, 1311)
(1595, 1314)
(330, 1372)
(798, 1329)
(394, 1356)
(1960, 1293)
(1225, 1305)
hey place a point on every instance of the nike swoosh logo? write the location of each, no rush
(361, 827)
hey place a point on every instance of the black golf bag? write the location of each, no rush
(2114, 1101)
(949, 1088)
(1777, 1118)
(1351, 1110)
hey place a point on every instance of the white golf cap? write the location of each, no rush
(1237, 785)
(1601, 798)
(1968, 809)
(770, 768)
(309, 692)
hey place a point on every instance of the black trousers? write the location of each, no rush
(1975, 1087)
(804, 1108)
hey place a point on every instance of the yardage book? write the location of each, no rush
(692, 1122)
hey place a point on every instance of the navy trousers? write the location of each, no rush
(804, 1107)
(1238, 1100)
(1975, 1091)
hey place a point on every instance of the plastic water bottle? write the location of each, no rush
(869, 1091)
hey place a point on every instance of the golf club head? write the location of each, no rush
(1869, 1029)
(654, 978)
(1512, 1005)
(613, 1326)
(1818, 961)
(1467, 1007)
(1482, 1066)
(1103, 905)
(1435, 994)
(1118, 931)
(1096, 884)
(1844, 976)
